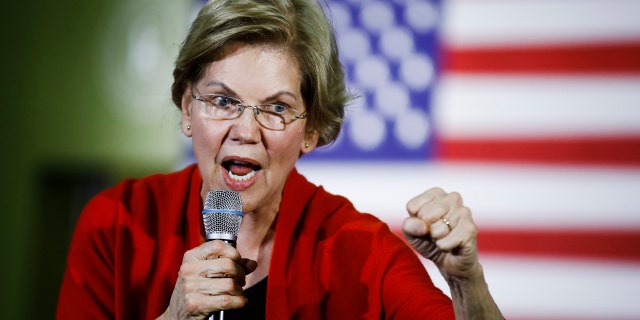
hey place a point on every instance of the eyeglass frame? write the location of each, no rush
(256, 109)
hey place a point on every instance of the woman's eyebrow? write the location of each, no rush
(282, 93)
(226, 88)
(222, 85)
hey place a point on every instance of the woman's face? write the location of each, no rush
(239, 154)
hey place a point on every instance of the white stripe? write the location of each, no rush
(552, 289)
(498, 195)
(477, 106)
(472, 23)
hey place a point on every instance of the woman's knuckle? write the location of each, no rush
(225, 302)
(185, 270)
(436, 191)
(217, 245)
(190, 303)
(187, 256)
(189, 286)
(453, 197)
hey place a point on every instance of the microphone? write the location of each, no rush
(222, 215)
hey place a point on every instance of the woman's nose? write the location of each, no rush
(246, 127)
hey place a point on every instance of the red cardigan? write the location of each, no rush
(328, 260)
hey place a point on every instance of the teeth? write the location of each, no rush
(242, 178)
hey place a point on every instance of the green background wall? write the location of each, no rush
(85, 104)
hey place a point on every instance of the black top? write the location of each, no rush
(257, 305)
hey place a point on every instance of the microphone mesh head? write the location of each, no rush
(222, 215)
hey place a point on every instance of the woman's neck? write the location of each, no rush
(255, 242)
(255, 229)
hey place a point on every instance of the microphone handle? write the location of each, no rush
(219, 315)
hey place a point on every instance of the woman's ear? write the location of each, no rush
(185, 108)
(309, 142)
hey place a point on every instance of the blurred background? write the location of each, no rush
(86, 98)
(530, 109)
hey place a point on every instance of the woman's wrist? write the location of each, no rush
(471, 296)
(469, 274)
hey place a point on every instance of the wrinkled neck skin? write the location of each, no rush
(255, 241)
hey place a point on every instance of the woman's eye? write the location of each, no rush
(278, 108)
(221, 101)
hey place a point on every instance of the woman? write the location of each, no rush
(259, 84)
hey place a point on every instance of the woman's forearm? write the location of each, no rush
(472, 299)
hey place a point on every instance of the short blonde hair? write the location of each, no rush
(299, 26)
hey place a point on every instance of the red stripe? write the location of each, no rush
(590, 244)
(621, 245)
(620, 58)
(596, 150)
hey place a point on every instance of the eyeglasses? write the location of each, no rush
(270, 116)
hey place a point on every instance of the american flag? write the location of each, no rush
(531, 110)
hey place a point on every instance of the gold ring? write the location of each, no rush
(447, 222)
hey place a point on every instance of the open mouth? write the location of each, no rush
(240, 170)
